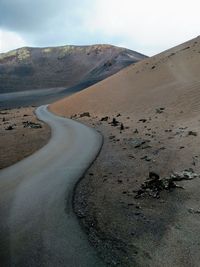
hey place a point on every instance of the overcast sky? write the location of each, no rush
(147, 26)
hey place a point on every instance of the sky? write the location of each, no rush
(146, 26)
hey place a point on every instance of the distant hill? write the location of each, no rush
(38, 68)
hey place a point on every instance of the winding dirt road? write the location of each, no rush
(37, 225)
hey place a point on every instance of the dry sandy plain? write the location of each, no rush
(130, 219)
(19, 139)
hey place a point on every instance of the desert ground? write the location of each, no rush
(21, 134)
(139, 202)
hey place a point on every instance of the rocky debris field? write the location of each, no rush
(146, 175)
(20, 137)
(154, 184)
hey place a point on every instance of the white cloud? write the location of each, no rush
(147, 26)
(150, 25)
(10, 40)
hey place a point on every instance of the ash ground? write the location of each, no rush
(150, 230)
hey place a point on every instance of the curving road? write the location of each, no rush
(37, 224)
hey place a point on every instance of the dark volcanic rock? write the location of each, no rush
(154, 184)
(114, 122)
(29, 124)
(104, 118)
(192, 133)
(84, 114)
(9, 128)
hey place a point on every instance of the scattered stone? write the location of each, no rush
(4, 119)
(194, 163)
(84, 114)
(118, 115)
(192, 133)
(32, 125)
(25, 115)
(137, 213)
(153, 67)
(114, 122)
(146, 158)
(160, 110)
(73, 116)
(154, 185)
(139, 143)
(153, 175)
(188, 47)
(3, 113)
(172, 54)
(156, 152)
(142, 120)
(131, 156)
(121, 127)
(193, 211)
(9, 128)
(136, 131)
(183, 128)
(146, 147)
(185, 175)
(108, 64)
(162, 148)
(104, 118)
(178, 132)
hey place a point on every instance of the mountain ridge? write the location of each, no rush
(29, 68)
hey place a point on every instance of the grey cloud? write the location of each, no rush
(32, 16)
(45, 22)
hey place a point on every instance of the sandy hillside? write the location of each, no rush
(136, 203)
(160, 80)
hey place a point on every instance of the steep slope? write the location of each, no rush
(38, 68)
(160, 80)
(149, 115)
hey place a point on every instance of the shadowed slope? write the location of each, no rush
(37, 68)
